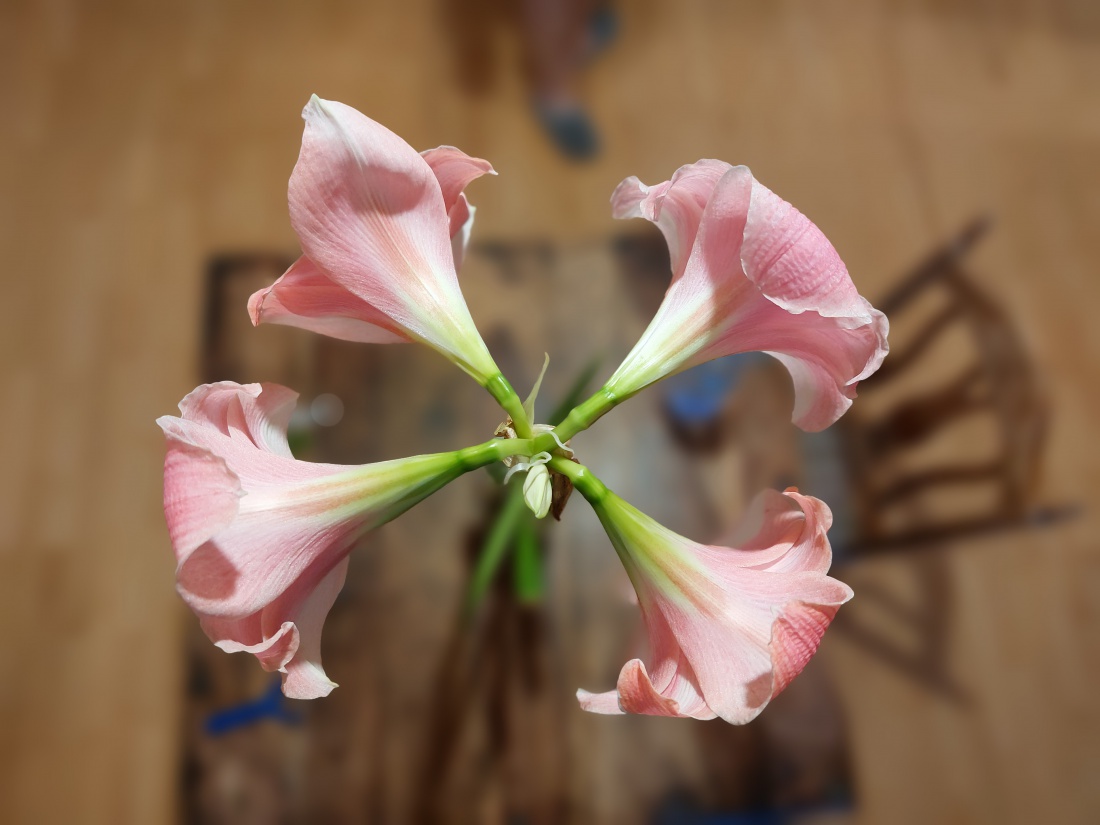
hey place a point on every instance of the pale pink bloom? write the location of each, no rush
(750, 273)
(382, 230)
(729, 627)
(261, 539)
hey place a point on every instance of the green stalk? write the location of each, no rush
(495, 547)
(527, 572)
(583, 480)
(502, 392)
(586, 414)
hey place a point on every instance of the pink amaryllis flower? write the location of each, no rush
(749, 273)
(729, 627)
(382, 230)
(261, 539)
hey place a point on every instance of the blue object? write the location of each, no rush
(697, 396)
(603, 29)
(271, 705)
(570, 128)
(684, 812)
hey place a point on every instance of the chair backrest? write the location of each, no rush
(948, 435)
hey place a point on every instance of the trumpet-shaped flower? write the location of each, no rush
(261, 539)
(382, 230)
(729, 627)
(749, 273)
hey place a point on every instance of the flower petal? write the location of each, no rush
(366, 206)
(370, 212)
(463, 213)
(675, 206)
(201, 494)
(825, 356)
(637, 694)
(731, 652)
(305, 297)
(805, 311)
(672, 675)
(626, 200)
(297, 517)
(782, 533)
(259, 413)
(606, 703)
(286, 517)
(274, 541)
(454, 170)
(262, 539)
(286, 634)
(305, 678)
(245, 425)
(729, 627)
(796, 635)
(792, 262)
(272, 652)
(750, 273)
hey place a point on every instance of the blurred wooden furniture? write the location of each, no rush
(957, 447)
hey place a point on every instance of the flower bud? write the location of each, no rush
(538, 490)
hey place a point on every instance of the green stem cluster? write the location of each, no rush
(497, 449)
(580, 418)
(512, 529)
(527, 444)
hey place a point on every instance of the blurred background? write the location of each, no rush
(950, 151)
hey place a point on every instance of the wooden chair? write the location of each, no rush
(947, 437)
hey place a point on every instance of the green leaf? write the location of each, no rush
(529, 404)
(528, 575)
(497, 544)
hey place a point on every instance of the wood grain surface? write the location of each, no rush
(138, 140)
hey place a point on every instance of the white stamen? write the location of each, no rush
(536, 459)
(557, 441)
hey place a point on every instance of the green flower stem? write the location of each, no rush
(502, 391)
(583, 479)
(495, 449)
(527, 573)
(584, 415)
(496, 546)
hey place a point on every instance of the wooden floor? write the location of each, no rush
(138, 139)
